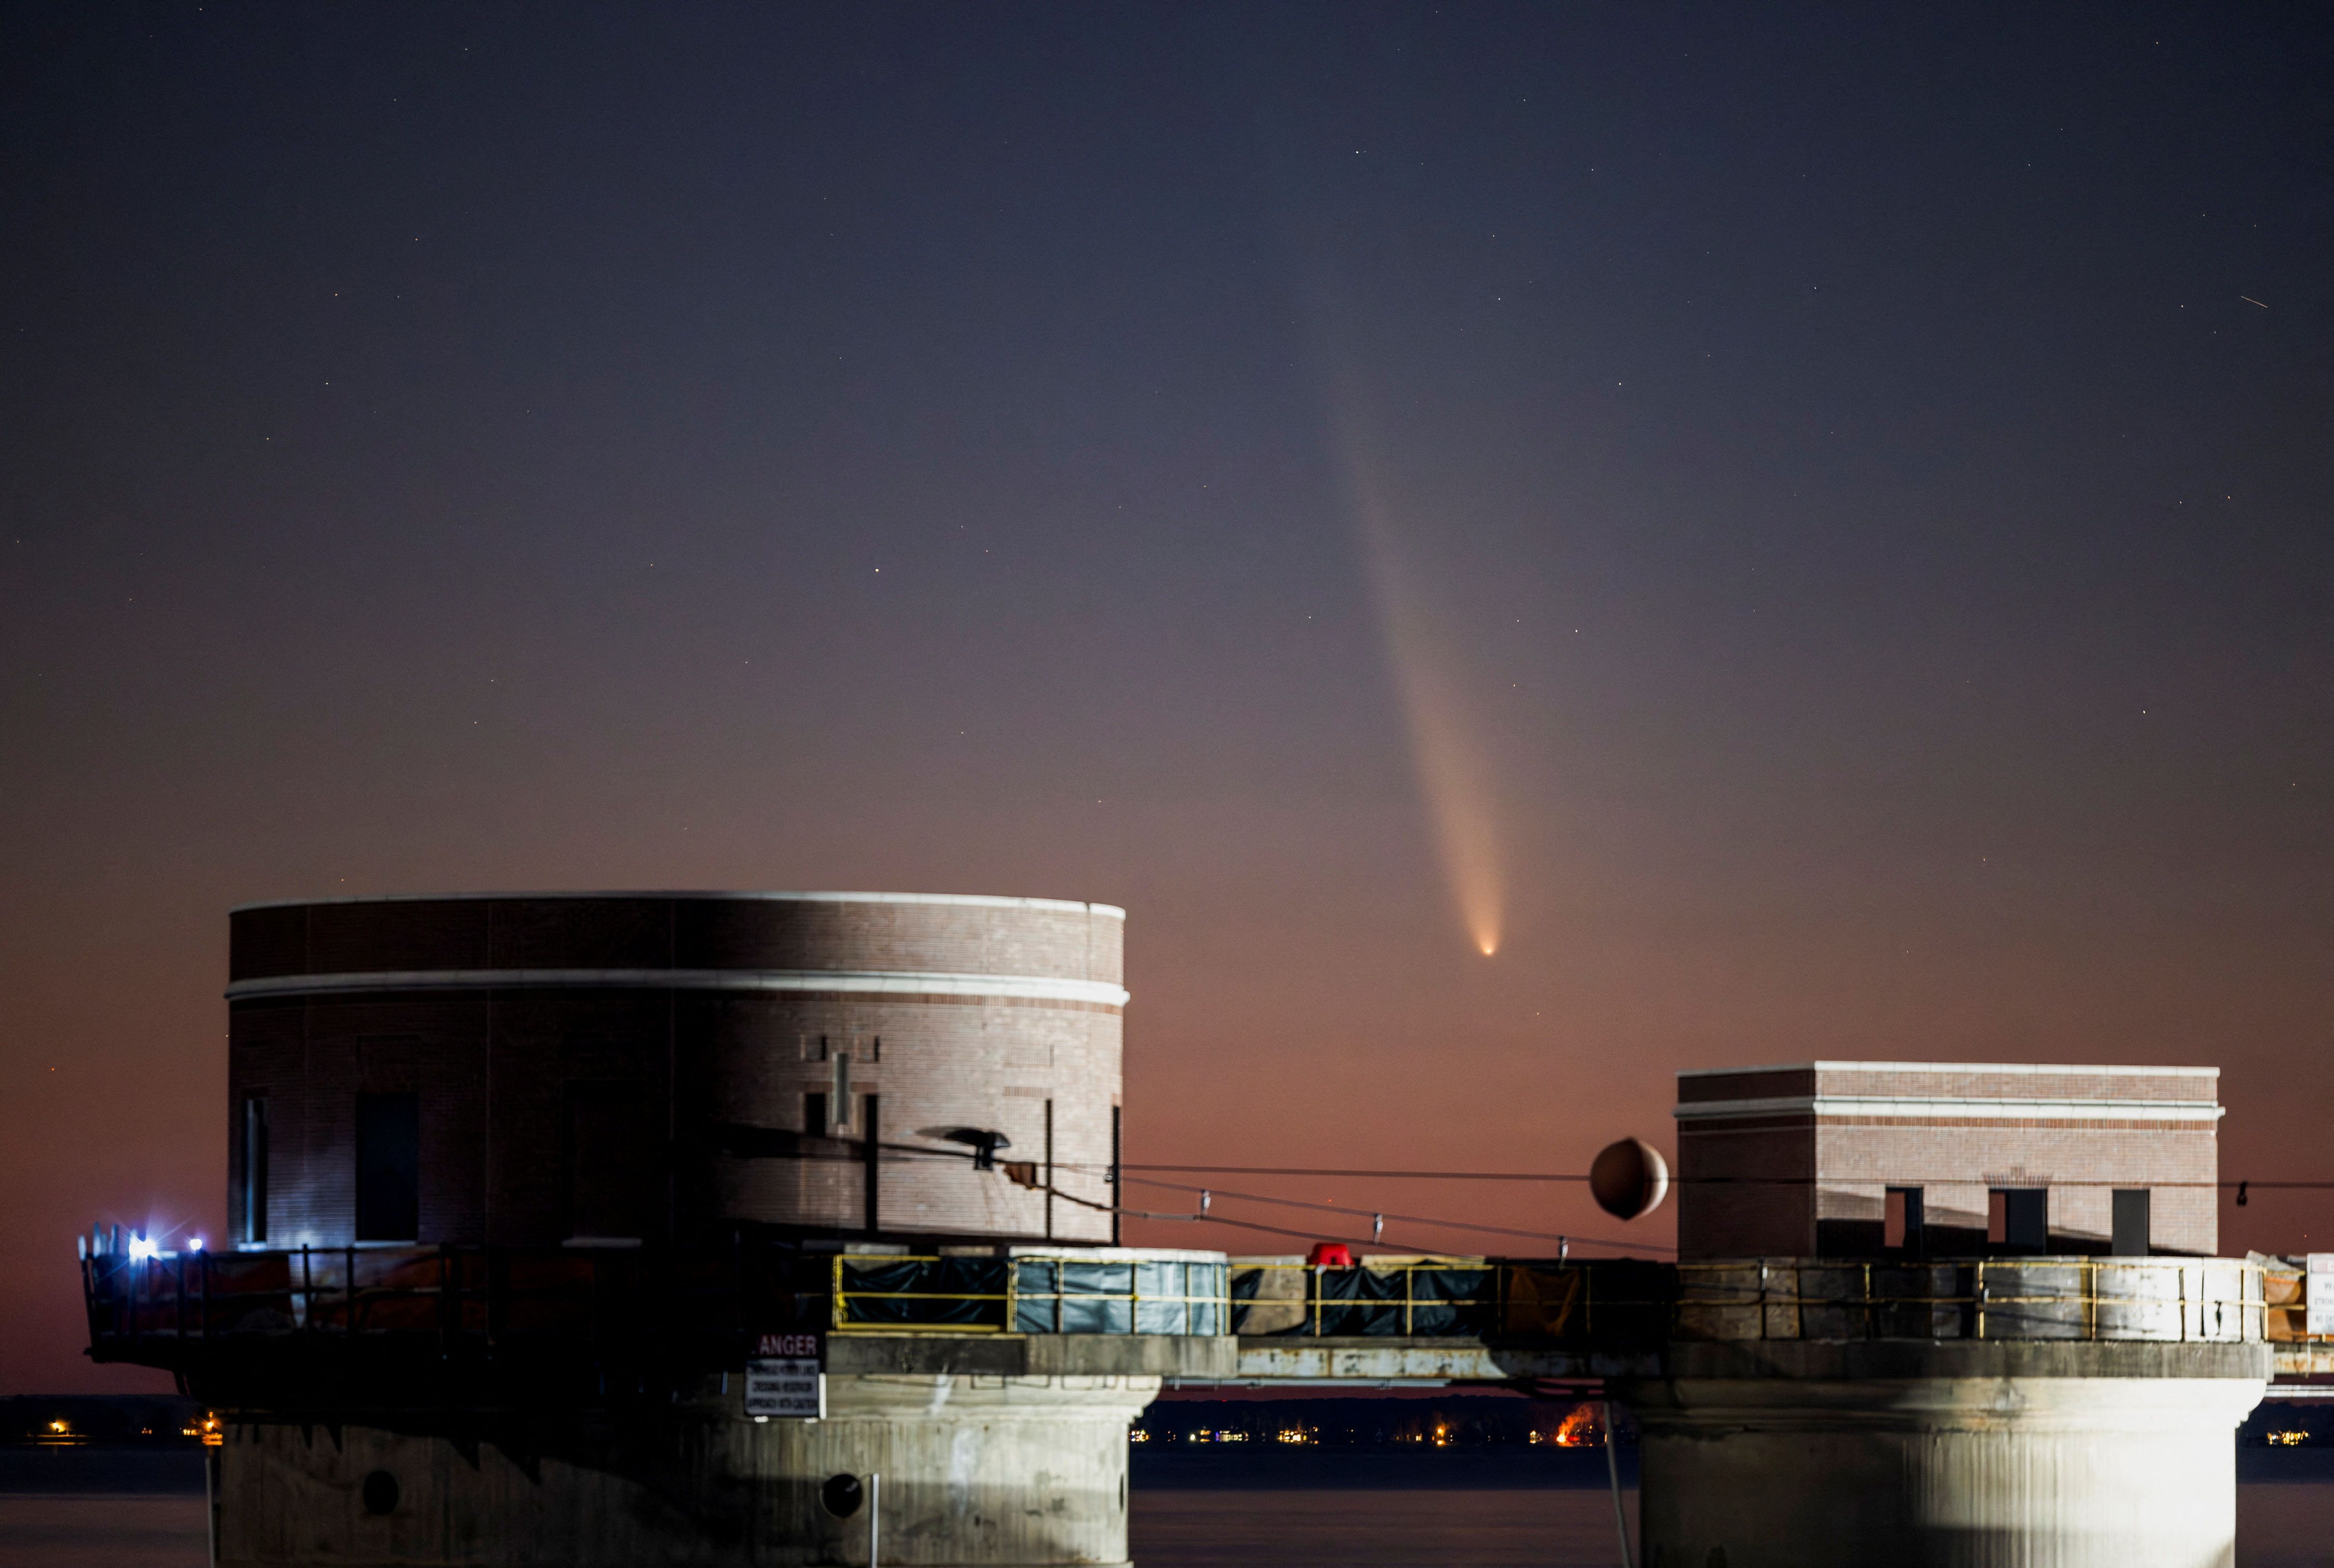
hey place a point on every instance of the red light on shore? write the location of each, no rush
(1579, 1429)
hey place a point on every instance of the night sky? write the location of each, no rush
(1806, 533)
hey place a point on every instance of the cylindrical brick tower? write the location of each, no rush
(542, 1068)
(615, 1229)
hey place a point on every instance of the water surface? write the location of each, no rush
(2285, 1519)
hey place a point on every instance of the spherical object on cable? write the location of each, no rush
(1629, 1179)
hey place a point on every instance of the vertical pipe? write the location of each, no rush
(1613, 1469)
(874, 1518)
(672, 1076)
(1115, 1199)
(873, 1135)
(1049, 1170)
(210, 1498)
(736, 1290)
(487, 1161)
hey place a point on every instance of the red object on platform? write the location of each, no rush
(1330, 1255)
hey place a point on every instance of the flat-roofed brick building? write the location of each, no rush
(1882, 1158)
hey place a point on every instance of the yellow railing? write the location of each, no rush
(1027, 1292)
(1285, 1297)
(1622, 1298)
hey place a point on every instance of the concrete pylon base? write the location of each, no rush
(2053, 1460)
(978, 1471)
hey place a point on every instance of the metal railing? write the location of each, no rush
(487, 1295)
(1048, 1294)
(171, 1309)
(1618, 1300)
(696, 1306)
(1612, 1303)
(2163, 1299)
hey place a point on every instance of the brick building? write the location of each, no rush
(1946, 1159)
(537, 1068)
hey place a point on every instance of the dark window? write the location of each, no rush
(254, 1168)
(815, 1115)
(613, 1187)
(839, 1100)
(389, 1168)
(2018, 1219)
(1901, 1221)
(2131, 1238)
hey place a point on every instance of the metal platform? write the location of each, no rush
(481, 1327)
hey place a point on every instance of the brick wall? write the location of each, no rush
(713, 1080)
(1802, 1160)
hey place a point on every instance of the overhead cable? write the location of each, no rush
(1409, 1219)
(1677, 1180)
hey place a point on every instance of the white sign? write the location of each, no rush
(784, 1379)
(2320, 1296)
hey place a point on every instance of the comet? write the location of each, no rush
(1454, 777)
(1430, 677)
(1453, 768)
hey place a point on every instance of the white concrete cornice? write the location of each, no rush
(2003, 1068)
(1953, 1108)
(977, 900)
(879, 982)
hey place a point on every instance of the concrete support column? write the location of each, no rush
(978, 1470)
(1812, 1454)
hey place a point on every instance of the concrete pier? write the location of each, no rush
(976, 1469)
(2036, 1455)
(525, 1185)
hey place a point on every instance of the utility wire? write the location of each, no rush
(1676, 1180)
(1407, 1219)
(854, 1151)
(1284, 1231)
(1206, 1218)
(1200, 1218)
(1400, 1175)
